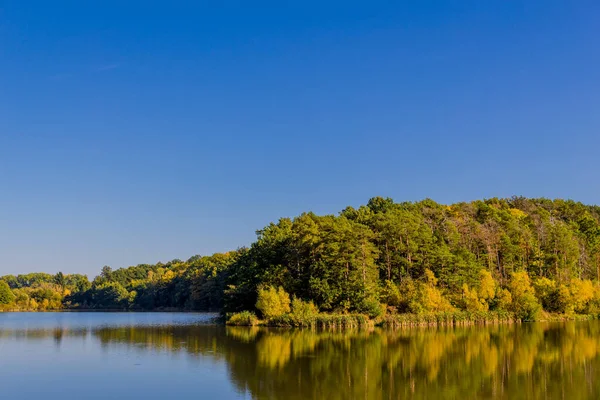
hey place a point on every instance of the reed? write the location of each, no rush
(448, 318)
(244, 318)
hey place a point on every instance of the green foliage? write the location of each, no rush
(111, 295)
(502, 300)
(497, 255)
(273, 302)
(390, 294)
(483, 296)
(303, 311)
(6, 295)
(546, 292)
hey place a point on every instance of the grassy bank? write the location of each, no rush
(352, 321)
(345, 321)
(451, 318)
(321, 320)
(554, 317)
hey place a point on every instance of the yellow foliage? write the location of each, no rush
(472, 301)
(429, 298)
(273, 302)
(524, 303)
(487, 286)
(520, 285)
(430, 277)
(515, 212)
(503, 299)
(562, 300)
(168, 276)
(582, 291)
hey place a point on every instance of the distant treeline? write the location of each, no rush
(519, 255)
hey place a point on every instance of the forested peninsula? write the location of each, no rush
(494, 260)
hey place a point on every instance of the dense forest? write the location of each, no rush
(527, 257)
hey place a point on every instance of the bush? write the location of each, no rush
(582, 292)
(371, 307)
(472, 302)
(428, 297)
(524, 303)
(244, 318)
(303, 312)
(287, 321)
(273, 302)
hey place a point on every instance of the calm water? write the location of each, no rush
(182, 356)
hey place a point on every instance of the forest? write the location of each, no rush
(517, 258)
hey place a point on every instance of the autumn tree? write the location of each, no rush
(6, 295)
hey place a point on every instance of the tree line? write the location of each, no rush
(525, 256)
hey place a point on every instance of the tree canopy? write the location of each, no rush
(517, 254)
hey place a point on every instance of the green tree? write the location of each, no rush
(6, 295)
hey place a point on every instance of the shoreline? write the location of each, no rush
(447, 319)
(352, 321)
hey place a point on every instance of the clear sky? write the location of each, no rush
(141, 131)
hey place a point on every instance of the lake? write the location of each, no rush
(185, 356)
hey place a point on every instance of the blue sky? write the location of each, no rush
(135, 132)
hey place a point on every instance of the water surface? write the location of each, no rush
(184, 356)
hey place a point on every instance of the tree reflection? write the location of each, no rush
(491, 362)
(503, 361)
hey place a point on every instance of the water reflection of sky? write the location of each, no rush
(58, 355)
(167, 355)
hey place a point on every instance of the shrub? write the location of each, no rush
(471, 301)
(303, 312)
(273, 302)
(582, 292)
(524, 303)
(287, 321)
(428, 297)
(371, 307)
(244, 318)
